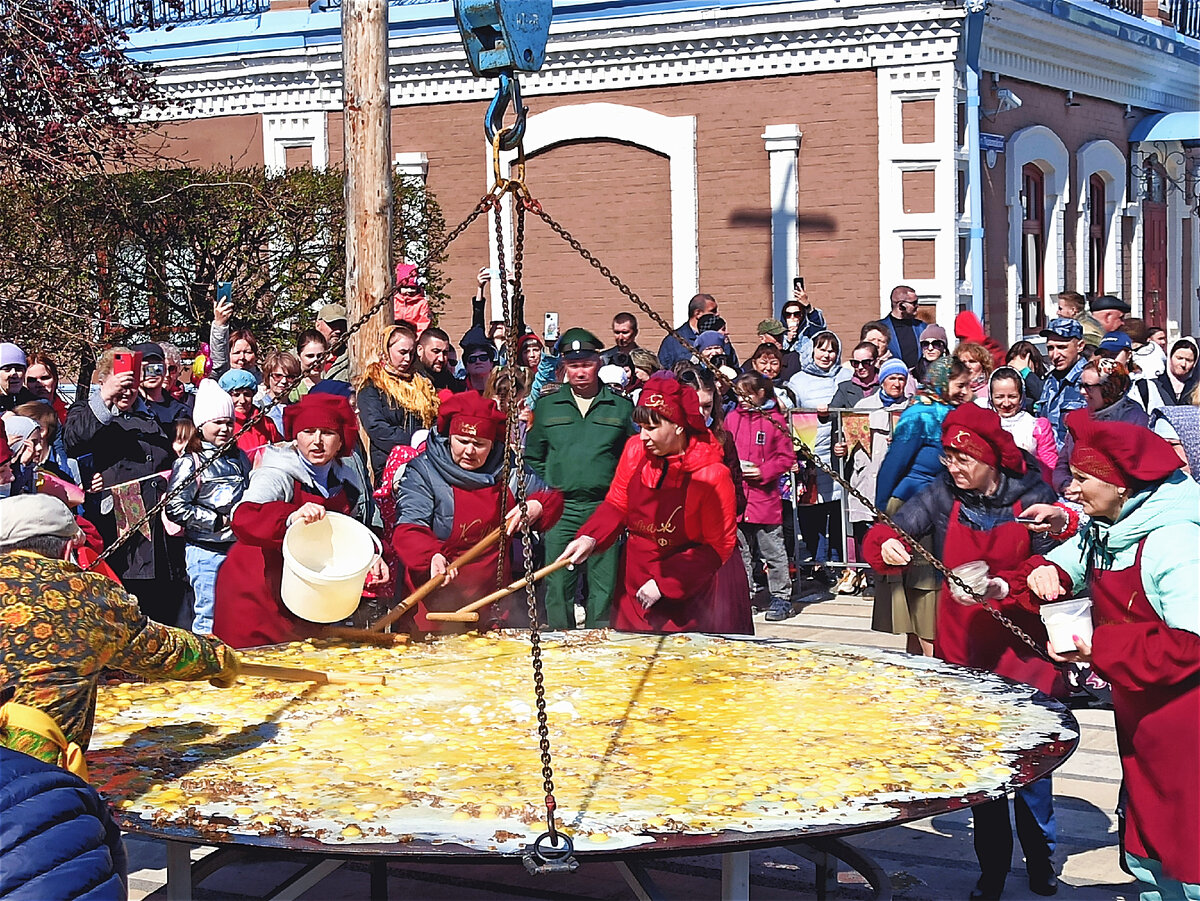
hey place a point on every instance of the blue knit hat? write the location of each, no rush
(236, 379)
(894, 366)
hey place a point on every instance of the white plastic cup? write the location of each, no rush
(1066, 619)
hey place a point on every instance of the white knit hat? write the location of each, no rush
(212, 402)
(613, 375)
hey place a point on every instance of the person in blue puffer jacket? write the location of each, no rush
(58, 839)
(906, 603)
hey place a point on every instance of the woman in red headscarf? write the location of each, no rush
(970, 510)
(674, 494)
(449, 498)
(1137, 559)
(299, 482)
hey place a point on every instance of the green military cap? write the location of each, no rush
(579, 344)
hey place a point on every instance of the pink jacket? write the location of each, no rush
(760, 442)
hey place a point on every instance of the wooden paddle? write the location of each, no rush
(296, 674)
(364, 636)
(470, 554)
(467, 614)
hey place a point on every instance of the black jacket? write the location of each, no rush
(928, 511)
(387, 424)
(124, 446)
(1162, 382)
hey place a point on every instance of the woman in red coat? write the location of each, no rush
(1137, 559)
(295, 483)
(449, 498)
(674, 494)
(970, 510)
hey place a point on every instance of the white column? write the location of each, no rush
(783, 151)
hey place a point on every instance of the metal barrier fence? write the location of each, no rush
(129, 14)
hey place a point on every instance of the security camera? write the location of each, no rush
(1006, 100)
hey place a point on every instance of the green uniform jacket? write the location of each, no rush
(578, 454)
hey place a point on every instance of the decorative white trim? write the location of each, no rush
(412, 164)
(1105, 159)
(1060, 51)
(1036, 144)
(782, 144)
(671, 136)
(1177, 211)
(895, 87)
(683, 47)
(281, 132)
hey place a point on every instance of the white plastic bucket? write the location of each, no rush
(1065, 619)
(325, 565)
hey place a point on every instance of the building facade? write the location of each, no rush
(989, 157)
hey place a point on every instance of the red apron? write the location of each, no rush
(249, 610)
(1158, 736)
(968, 634)
(656, 530)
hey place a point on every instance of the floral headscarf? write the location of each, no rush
(935, 388)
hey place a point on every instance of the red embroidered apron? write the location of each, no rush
(656, 530)
(971, 636)
(1158, 736)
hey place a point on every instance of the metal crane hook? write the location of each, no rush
(508, 92)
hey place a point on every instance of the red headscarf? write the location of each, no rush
(673, 400)
(471, 415)
(978, 433)
(1119, 453)
(322, 411)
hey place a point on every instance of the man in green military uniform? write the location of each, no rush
(577, 437)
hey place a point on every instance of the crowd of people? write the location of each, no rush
(674, 482)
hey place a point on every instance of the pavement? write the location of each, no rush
(929, 860)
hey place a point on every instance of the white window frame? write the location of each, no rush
(1105, 159)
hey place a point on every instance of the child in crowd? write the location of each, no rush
(205, 505)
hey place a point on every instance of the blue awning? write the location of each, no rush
(1181, 126)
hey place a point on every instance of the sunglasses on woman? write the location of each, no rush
(936, 342)
(479, 358)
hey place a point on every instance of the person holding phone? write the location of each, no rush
(801, 321)
(128, 443)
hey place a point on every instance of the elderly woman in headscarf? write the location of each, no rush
(394, 398)
(970, 512)
(296, 483)
(674, 494)
(1137, 560)
(451, 496)
(906, 602)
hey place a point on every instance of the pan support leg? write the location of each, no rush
(735, 876)
(639, 881)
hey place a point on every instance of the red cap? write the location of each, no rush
(978, 433)
(675, 401)
(1119, 453)
(322, 411)
(406, 274)
(471, 415)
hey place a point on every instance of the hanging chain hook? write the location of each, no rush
(508, 93)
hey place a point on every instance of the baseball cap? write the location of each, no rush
(1062, 327)
(1114, 343)
(26, 516)
(149, 351)
(1108, 302)
(770, 327)
(332, 312)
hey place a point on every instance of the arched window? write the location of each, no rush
(1097, 237)
(1033, 248)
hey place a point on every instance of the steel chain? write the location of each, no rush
(485, 203)
(810, 458)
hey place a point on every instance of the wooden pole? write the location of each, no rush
(368, 152)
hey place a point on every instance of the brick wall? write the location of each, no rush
(212, 142)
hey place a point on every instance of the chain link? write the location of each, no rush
(485, 203)
(810, 458)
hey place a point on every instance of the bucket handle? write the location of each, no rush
(378, 549)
